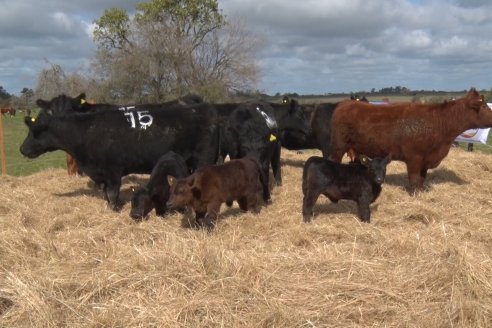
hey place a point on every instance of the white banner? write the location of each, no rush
(475, 135)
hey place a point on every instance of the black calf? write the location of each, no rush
(360, 182)
(156, 193)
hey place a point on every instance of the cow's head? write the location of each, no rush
(182, 192)
(292, 119)
(63, 104)
(376, 166)
(39, 140)
(142, 204)
(480, 114)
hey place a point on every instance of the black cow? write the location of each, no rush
(108, 144)
(156, 193)
(318, 137)
(291, 118)
(251, 129)
(63, 104)
(360, 182)
(287, 117)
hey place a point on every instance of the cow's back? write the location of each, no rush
(135, 140)
(401, 130)
(230, 181)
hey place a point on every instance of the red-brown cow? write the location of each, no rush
(418, 134)
(72, 167)
(8, 110)
(207, 188)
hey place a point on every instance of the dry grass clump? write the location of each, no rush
(423, 261)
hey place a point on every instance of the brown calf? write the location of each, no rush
(207, 188)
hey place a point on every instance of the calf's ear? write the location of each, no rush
(171, 180)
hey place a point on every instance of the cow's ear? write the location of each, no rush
(476, 100)
(196, 192)
(388, 159)
(364, 160)
(171, 180)
(43, 104)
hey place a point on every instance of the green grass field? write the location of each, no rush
(14, 133)
(17, 165)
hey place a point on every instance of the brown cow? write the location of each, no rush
(8, 110)
(207, 188)
(72, 167)
(418, 134)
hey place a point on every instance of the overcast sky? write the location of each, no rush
(311, 46)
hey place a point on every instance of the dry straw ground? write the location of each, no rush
(424, 261)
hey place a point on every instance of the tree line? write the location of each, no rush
(166, 49)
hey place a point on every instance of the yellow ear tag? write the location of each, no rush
(33, 119)
(272, 137)
(82, 101)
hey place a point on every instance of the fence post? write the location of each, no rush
(2, 147)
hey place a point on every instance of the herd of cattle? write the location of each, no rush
(182, 144)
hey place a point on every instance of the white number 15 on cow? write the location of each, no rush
(143, 118)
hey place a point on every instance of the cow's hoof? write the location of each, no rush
(307, 218)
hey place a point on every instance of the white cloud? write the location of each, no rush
(312, 46)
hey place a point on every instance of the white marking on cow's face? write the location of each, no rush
(270, 122)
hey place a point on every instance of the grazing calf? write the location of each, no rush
(360, 182)
(156, 193)
(207, 188)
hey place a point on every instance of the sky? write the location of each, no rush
(310, 46)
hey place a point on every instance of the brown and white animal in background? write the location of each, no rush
(207, 188)
(360, 182)
(418, 134)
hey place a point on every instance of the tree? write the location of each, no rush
(4, 95)
(27, 96)
(54, 81)
(172, 47)
(50, 82)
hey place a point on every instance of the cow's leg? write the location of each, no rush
(252, 201)
(213, 209)
(308, 201)
(276, 167)
(112, 192)
(243, 203)
(364, 210)
(416, 176)
(325, 149)
(264, 178)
